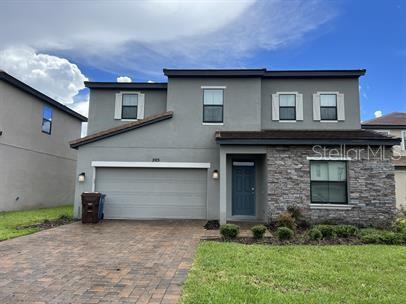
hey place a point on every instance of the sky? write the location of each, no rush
(56, 45)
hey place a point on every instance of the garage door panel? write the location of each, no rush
(153, 193)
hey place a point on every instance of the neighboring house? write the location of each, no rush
(234, 145)
(37, 166)
(394, 124)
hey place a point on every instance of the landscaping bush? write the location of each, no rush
(284, 233)
(229, 231)
(258, 231)
(295, 212)
(374, 236)
(345, 231)
(399, 225)
(303, 224)
(327, 231)
(285, 219)
(315, 234)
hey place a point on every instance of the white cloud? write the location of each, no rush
(54, 76)
(124, 79)
(378, 114)
(146, 36)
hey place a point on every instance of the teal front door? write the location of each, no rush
(243, 188)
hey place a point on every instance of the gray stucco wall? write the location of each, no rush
(307, 87)
(371, 187)
(182, 138)
(101, 107)
(36, 168)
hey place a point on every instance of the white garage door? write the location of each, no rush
(137, 193)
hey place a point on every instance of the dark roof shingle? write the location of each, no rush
(120, 129)
(333, 137)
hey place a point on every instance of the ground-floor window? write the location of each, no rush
(328, 182)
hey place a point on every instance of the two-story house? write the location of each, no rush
(394, 124)
(37, 166)
(235, 145)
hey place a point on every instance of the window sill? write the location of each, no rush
(127, 119)
(329, 121)
(287, 120)
(331, 206)
(212, 123)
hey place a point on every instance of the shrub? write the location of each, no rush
(284, 233)
(303, 224)
(258, 231)
(327, 231)
(295, 212)
(399, 225)
(315, 234)
(229, 231)
(374, 236)
(345, 231)
(285, 219)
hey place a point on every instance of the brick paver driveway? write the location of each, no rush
(112, 262)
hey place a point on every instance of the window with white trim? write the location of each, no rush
(46, 120)
(287, 106)
(328, 106)
(129, 106)
(328, 182)
(213, 100)
(404, 140)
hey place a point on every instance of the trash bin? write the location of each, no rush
(101, 206)
(91, 203)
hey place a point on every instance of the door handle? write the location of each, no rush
(253, 189)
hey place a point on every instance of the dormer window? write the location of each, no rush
(129, 106)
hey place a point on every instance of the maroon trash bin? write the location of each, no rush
(90, 207)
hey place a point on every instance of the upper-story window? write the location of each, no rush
(129, 106)
(328, 106)
(328, 182)
(46, 120)
(213, 100)
(404, 140)
(287, 107)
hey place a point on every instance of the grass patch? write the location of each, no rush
(236, 273)
(13, 223)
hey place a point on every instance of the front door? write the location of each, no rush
(243, 188)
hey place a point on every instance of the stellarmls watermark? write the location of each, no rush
(356, 153)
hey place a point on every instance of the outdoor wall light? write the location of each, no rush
(215, 174)
(81, 177)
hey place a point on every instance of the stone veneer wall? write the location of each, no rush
(371, 187)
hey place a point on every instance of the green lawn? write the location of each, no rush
(12, 220)
(235, 273)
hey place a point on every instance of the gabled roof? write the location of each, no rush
(305, 137)
(29, 90)
(395, 120)
(264, 73)
(120, 129)
(127, 85)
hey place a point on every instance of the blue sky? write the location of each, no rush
(312, 34)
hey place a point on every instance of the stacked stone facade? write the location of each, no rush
(370, 178)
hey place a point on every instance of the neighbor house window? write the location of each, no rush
(213, 105)
(46, 120)
(328, 182)
(404, 140)
(287, 107)
(130, 106)
(328, 106)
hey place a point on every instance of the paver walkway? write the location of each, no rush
(111, 262)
